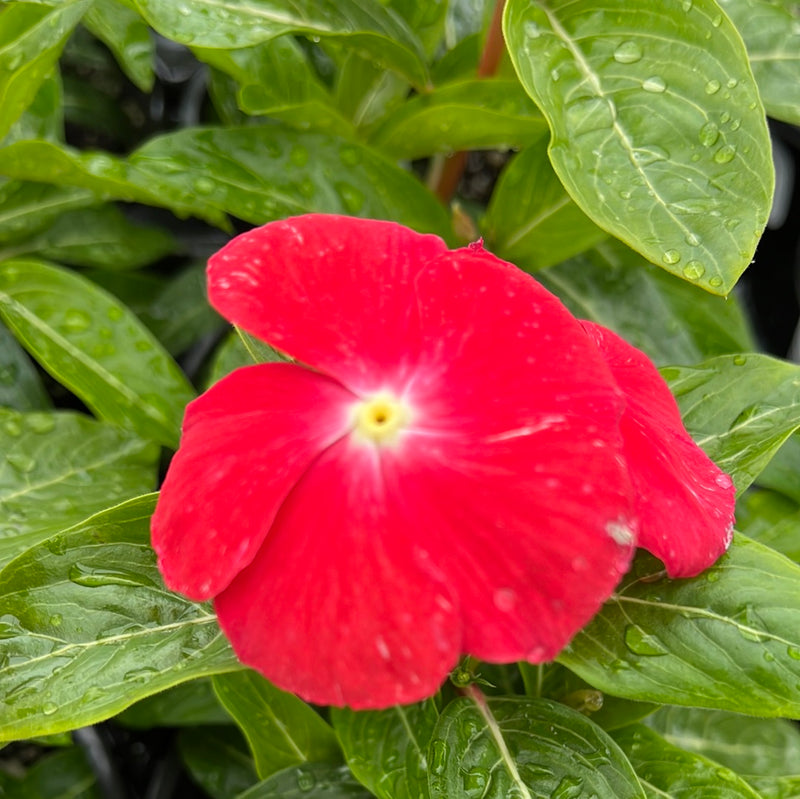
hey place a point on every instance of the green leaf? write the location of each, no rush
(189, 704)
(276, 78)
(218, 760)
(776, 787)
(26, 208)
(63, 775)
(739, 408)
(364, 24)
(427, 20)
(674, 161)
(96, 347)
(781, 472)
(231, 354)
(751, 746)
(20, 385)
(281, 729)
(44, 117)
(772, 519)
(387, 749)
(667, 772)
(469, 115)
(89, 629)
(31, 40)
(100, 237)
(769, 30)
(311, 781)
(59, 468)
(531, 220)
(611, 284)
(728, 639)
(504, 747)
(127, 36)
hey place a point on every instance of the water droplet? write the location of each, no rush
(203, 185)
(305, 781)
(48, 708)
(628, 53)
(712, 87)
(56, 620)
(671, 257)
(183, 10)
(717, 20)
(352, 198)
(768, 656)
(21, 462)
(505, 599)
(76, 321)
(568, 788)
(139, 675)
(692, 239)
(476, 781)
(694, 270)
(12, 426)
(739, 360)
(642, 643)
(731, 223)
(93, 577)
(715, 282)
(686, 5)
(439, 758)
(589, 114)
(654, 84)
(709, 134)
(712, 575)
(532, 30)
(723, 481)
(40, 422)
(299, 156)
(349, 156)
(555, 75)
(644, 156)
(725, 154)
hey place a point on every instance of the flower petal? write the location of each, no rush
(685, 503)
(245, 443)
(336, 606)
(334, 292)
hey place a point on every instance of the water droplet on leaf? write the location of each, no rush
(694, 270)
(725, 154)
(712, 87)
(628, 53)
(709, 134)
(654, 84)
(671, 257)
(641, 643)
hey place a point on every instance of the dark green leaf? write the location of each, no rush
(674, 161)
(752, 746)
(311, 781)
(20, 385)
(218, 760)
(739, 409)
(781, 472)
(59, 468)
(100, 237)
(770, 30)
(96, 111)
(31, 39)
(127, 36)
(63, 775)
(531, 219)
(612, 284)
(387, 749)
(426, 19)
(89, 629)
(667, 772)
(729, 638)
(281, 729)
(462, 116)
(96, 347)
(226, 24)
(230, 355)
(772, 519)
(189, 704)
(514, 747)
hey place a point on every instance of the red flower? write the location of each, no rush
(447, 472)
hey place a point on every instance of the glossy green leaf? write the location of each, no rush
(89, 629)
(781, 472)
(63, 775)
(776, 787)
(674, 161)
(771, 33)
(127, 36)
(281, 729)
(227, 24)
(44, 117)
(612, 285)
(255, 173)
(772, 519)
(728, 639)
(667, 772)
(751, 746)
(218, 760)
(101, 237)
(59, 468)
(387, 749)
(469, 115)
(531, 220)
(277, 79)
(20, 385)
(426, 19)
(96, 347)
(31, 39)
(231, 354)
(739, 408)
(26, 208)
(311, 781)
(515, 747)
(190, 704)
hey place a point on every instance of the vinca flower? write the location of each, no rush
(451, 463)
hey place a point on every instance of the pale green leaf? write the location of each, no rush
(658, 132)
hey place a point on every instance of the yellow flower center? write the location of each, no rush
(379, 419)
